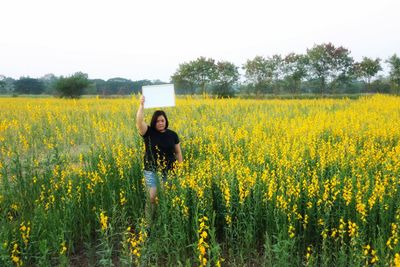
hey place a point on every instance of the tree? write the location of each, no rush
(198, 73)
(294, 71)
(137, 85)
(9, 85)
(261, 72)
(204, 72)
(227, 77)
(119, 86)
(2, 84)
(73, 86)
(275, 65)
(329, 65)
(26, 85)
(257, 76)
(99, 86)
(381, 85)
(394, 74)
(183, 80)
(367, 69)
(49, 81)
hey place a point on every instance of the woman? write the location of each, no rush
(162, 148)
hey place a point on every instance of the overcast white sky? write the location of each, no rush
(149, 39)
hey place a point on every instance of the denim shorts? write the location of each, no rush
(152, 178)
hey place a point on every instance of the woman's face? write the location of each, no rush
(160, 124)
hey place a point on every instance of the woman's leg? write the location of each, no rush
(153, 194)
(151, 182)
(151, 204)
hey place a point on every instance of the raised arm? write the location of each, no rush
(140, 124)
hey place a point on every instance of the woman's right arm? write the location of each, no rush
(140, 124)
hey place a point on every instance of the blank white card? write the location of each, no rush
(159, 96)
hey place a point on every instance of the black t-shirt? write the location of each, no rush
(160, 149)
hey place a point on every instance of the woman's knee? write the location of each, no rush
(153, 194)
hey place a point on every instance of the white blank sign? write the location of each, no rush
(158, 96)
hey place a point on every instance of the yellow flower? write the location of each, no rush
(103, 221)
(397, 260)
(204, 234)
(334, 233)
(15, 255)
(202, 250)
(375, 258)
(63, 248)
(122, 198)
(291, 231)
(353, 228)
(228, 219)
(202, 243)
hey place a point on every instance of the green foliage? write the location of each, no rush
(394, 64)
(329, 65)
(49, 81)
(260, 72)
(227, 77)
(73, 86)
(367, 69)
(118, 86)
(7, 85)
(380, 85)
(2, 86)
(198, 73)
(294, 71)
(26, 85)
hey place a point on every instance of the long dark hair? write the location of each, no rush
(157, 114)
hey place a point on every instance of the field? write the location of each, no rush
(263, 183)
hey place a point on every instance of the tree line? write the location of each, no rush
(72, 86)
(323, 69)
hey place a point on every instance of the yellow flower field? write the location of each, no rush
(264, 182)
